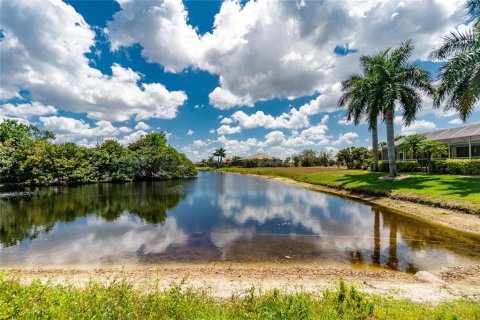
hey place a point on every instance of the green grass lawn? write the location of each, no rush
(120, 300)
(445, 190)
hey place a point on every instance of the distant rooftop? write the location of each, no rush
(259, 156)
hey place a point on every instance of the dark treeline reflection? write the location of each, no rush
(25, 218)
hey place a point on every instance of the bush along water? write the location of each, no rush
(28, 156)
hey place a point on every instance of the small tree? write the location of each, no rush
(236, 161)
(210, 161)
(354, 158)
(432, 149)
(296, 159)
(251, 163)
(324, 157)
(412, 143)
(308, 158)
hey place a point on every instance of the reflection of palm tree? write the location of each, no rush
(356, 257)
(392, 250)
(376, 239)
(220, 184)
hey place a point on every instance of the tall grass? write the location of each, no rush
(119, 300)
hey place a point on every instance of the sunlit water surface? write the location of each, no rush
(218, 217)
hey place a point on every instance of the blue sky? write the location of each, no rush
(251, 76)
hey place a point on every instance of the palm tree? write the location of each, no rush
(432, 149)
(460, 76)
(397, 82)
(411, 143)
(357, 95)
(220, 153)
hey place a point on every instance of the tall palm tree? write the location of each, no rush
(397, 82)
(459, 77)
(359, 98)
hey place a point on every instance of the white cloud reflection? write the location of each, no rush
(102, 241)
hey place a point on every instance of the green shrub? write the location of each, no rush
(251, 163)
(402, 166)
(455, 166)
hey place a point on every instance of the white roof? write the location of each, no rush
(454, 135)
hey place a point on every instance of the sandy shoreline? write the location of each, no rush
(222, 280)
(454, 219)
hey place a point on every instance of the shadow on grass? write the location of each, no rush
(448, 186)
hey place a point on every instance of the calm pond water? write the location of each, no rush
(218, 217)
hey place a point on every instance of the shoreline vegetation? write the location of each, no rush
(120, 297)
(452, 201)
(29, 157)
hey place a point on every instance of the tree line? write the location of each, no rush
(389, 81)
(28, 155)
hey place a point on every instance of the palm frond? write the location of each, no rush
(402, 54)
(473, 8)
(410, 102)
(456, 42)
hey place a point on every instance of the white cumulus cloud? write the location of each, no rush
(43, 51)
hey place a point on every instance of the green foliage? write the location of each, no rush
(354, 158)
(308, 158)
(349, 303)
(412, 143)
(460, 75)
(120, 300)
(27, 156)
(455, 166)
(432, 149)
(402, 166)
(220, 153)
(17, 133)
(296, 160)
(394, 82)
(250, 163)
(325, 158)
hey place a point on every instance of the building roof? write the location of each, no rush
(454, 135)
(259, 156)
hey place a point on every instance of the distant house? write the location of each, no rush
(263, 160)
(462, 142)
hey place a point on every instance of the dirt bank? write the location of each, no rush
(222, 280)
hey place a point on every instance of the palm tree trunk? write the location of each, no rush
(375, 147)
(391, 142)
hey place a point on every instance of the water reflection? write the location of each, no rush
(219, 217)
(26, 218)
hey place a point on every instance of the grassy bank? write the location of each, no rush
(447, 191)
(119, 300)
